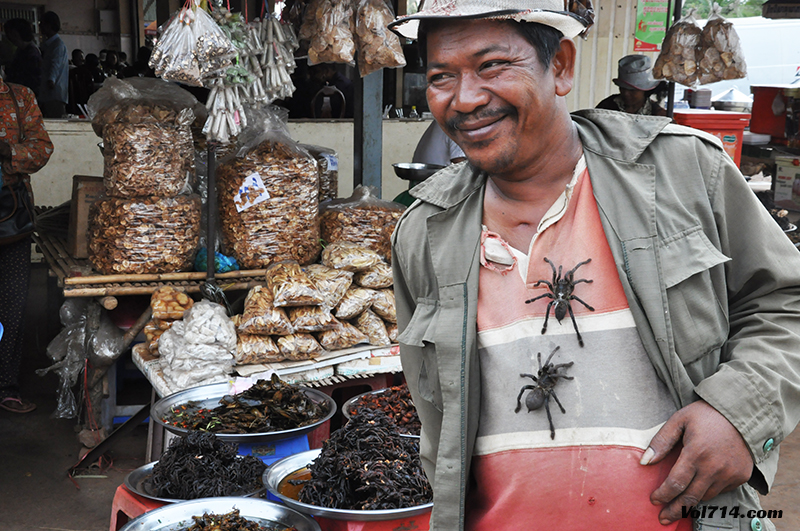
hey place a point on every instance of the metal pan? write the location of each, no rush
(208, 396)
(288, 465)
(178, 516)
(138, 482)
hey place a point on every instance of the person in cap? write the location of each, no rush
(636, 88)
(600, 324)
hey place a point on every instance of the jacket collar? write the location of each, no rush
(619, 136)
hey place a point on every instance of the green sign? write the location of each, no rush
(651, 25)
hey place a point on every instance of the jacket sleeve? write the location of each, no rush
(31, 153)
(757, 384)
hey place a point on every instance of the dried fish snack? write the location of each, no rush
(252, 350)
(384, 305)
(310, 318)
(299, 347)
(261, 317)
(679, 52)
(281, 222)
(268, 406)
(328, 167)
(327, 27)
(201, 465)
(377, 46)
(168, 304)
(355, 301)
(367, 465)
(231, 521)
(333, 283)
(144, 235)
(349, 256)
(290, 286)
(374, 327)
(146, 159)
(362, 218)
(721, 55)
(343, 336)
(376, 277)
(391, 330)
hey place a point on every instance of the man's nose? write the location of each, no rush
(470, 93)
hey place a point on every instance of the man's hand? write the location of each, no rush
(5, 150)
(714, 459)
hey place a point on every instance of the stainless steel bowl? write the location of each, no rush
(208, 396)
(732, 106)
(138, 482)
(415, 171)
(178, 516)
(288, 465)
(350, 402)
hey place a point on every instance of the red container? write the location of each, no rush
(764, 120)
(727, 126)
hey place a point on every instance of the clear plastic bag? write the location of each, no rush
(362, 218)
(261, 317)
(679, 53)
(290, 286)
(377, 46)
(268, 198)
(310, 318)
(327, 27)
(343, 335)
(383, 304)
(333, 283)
(378, 276)
(391, 330)
(721, 55)
(349, 256)
(144, 235)
(374, 328)
(328, 166)
(355, 301)
(255, 349)
(299, 347)
(168, 304)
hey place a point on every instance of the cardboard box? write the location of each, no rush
(85, 191)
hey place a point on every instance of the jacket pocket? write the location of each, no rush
(420, 333)
(699, 321)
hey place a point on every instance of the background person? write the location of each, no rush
(26, 67)
(19, 156)
(636, 88)
(678, 375)
(54, 92)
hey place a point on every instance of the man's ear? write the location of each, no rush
(563, 65)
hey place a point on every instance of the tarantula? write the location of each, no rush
(546, 379)
(561, 289)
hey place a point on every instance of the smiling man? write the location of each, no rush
(600, 322)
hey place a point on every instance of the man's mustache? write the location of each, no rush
(455, 123)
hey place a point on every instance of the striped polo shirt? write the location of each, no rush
(587, 476)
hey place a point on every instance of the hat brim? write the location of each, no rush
(567, 23)
(636, 86)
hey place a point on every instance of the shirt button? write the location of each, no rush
(769, 445)
(755, 524)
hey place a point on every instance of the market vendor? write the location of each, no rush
(639, 92)
(600, 323)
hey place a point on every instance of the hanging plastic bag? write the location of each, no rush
(327, 27)
(377, 46)
(721, 55)
(679, 53)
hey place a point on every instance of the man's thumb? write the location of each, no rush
(663, 441)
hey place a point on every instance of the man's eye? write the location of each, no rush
(436, 78)
(493, 64)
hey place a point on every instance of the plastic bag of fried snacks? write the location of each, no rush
(355, 301)
(374, 328)
(261, 317)
(349, 256)
(299, 347)
(290, 286)
(169, 303)
(343, 336)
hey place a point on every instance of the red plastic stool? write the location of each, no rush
(127, 506)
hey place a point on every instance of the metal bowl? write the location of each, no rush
(732, 106)
(208, 396)
(289, 465)
(138, 482)
(178, 516)
(415, 171)
(350, 402)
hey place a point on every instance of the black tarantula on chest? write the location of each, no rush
(561, 289)
(546, 380)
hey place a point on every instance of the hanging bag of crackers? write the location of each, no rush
(679, 53)
(327, 30)
(377, 46)
(721, 55)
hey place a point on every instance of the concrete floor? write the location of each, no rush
(36, 492)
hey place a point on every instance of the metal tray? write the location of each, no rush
(137, 482)
(351, 401)
(288, 465)
(178, 516)
(209, 396)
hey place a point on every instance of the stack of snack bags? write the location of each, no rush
(168, 305)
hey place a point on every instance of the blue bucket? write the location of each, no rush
(1, 330)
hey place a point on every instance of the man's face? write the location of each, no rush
(491, 94)
(633, 98)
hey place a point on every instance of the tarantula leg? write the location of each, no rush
(575, 325)
(549, 417)
(521, 391)
(588, 281)
(572, 271)
(564, 411)
(550, 357)
(557, 370)
(580, 301)
(552, 266)
(547, 316)
(539, 297)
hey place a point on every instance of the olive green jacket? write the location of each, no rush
(711, 280)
